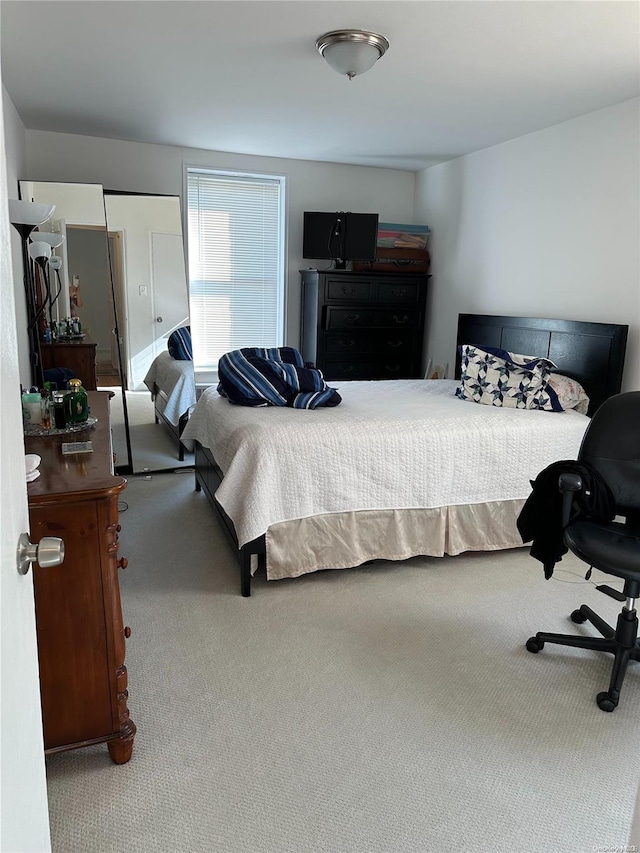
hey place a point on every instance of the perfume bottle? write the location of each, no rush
(76, 403)
(59, 414)
(45, 409)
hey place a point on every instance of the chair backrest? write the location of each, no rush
(611, 445)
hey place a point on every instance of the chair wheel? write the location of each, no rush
(534, 645)
(578, 617)
(605, 702)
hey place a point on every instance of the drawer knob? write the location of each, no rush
(123, 562)
(401, 320)
(348, 291)
(127, 632)
(345, 344)
(394, 344)
(392, 368)
(353, 317)
(399, 291)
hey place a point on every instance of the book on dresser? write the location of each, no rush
(80, 630)
(358, 325)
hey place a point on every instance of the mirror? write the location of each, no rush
(151, 295)
(90, 348)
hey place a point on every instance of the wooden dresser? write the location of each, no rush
(81, 636)
(363, 325)
(79, 356)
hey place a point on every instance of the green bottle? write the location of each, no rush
(76, 403)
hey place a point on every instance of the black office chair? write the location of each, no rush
(611, 445)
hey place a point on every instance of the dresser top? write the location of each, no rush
(77, 473)
(395, 271)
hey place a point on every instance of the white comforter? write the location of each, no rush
(389, 445)
(177, 379)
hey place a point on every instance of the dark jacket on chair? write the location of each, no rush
(540, 520)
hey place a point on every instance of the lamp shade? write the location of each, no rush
(39, 250)
(351, 52)
(51, 237)
(29, 212)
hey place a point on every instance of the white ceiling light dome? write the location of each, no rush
(351, 52)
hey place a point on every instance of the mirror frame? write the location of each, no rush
(34, 344)
(123, 367)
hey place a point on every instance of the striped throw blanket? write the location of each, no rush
(272, 376)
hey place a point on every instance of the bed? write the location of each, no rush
(173, 391)
(400, 467)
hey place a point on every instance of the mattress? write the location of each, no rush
(390, 445)
(176, 379)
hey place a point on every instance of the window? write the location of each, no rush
(236, 262)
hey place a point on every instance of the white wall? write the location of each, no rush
(546, 225)
(145, 168)
(15, 138)
(137, 218)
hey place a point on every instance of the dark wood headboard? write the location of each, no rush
(591, 353)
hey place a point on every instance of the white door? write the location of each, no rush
(169, 285)
(24, 815)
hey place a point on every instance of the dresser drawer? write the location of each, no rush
(399, 292)
(369, 368)
(341, 289)
(372, 318)
(348, 343)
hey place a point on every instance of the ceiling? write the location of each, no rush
(245, 76)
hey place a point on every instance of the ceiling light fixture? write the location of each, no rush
(351, 52)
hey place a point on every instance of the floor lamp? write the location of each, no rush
(25, 216)
(52, 262)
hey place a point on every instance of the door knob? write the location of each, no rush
(158, 319)
(48, 552)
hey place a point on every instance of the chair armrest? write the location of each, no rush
(569, 484)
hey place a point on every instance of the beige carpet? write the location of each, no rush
(153, 447)
(383, 709)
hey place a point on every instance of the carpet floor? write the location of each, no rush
(153, 448)
(382, 709)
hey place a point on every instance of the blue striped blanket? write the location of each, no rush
(272, 376)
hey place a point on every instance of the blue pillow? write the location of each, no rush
(179, 344)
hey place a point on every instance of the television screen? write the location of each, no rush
(340, 236)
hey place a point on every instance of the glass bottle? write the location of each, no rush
(76, 403)
(59, 415)
(45, 410)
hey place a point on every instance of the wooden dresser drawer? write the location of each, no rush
(359, 290)
(399, 291)
(372, 318)
(369, 368)
(349, 343)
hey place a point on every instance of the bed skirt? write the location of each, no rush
(346, 539)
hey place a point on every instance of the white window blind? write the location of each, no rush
(236, 279)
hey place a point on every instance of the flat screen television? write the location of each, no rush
(340, 237)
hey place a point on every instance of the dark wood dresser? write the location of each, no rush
(363, 325)
(79, 356)
(81, 636)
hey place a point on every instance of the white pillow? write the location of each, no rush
(570, 393)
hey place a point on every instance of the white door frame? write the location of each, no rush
(24, 813)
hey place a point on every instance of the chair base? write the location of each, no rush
(622, 642)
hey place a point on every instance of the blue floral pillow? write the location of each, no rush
(496, 377)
